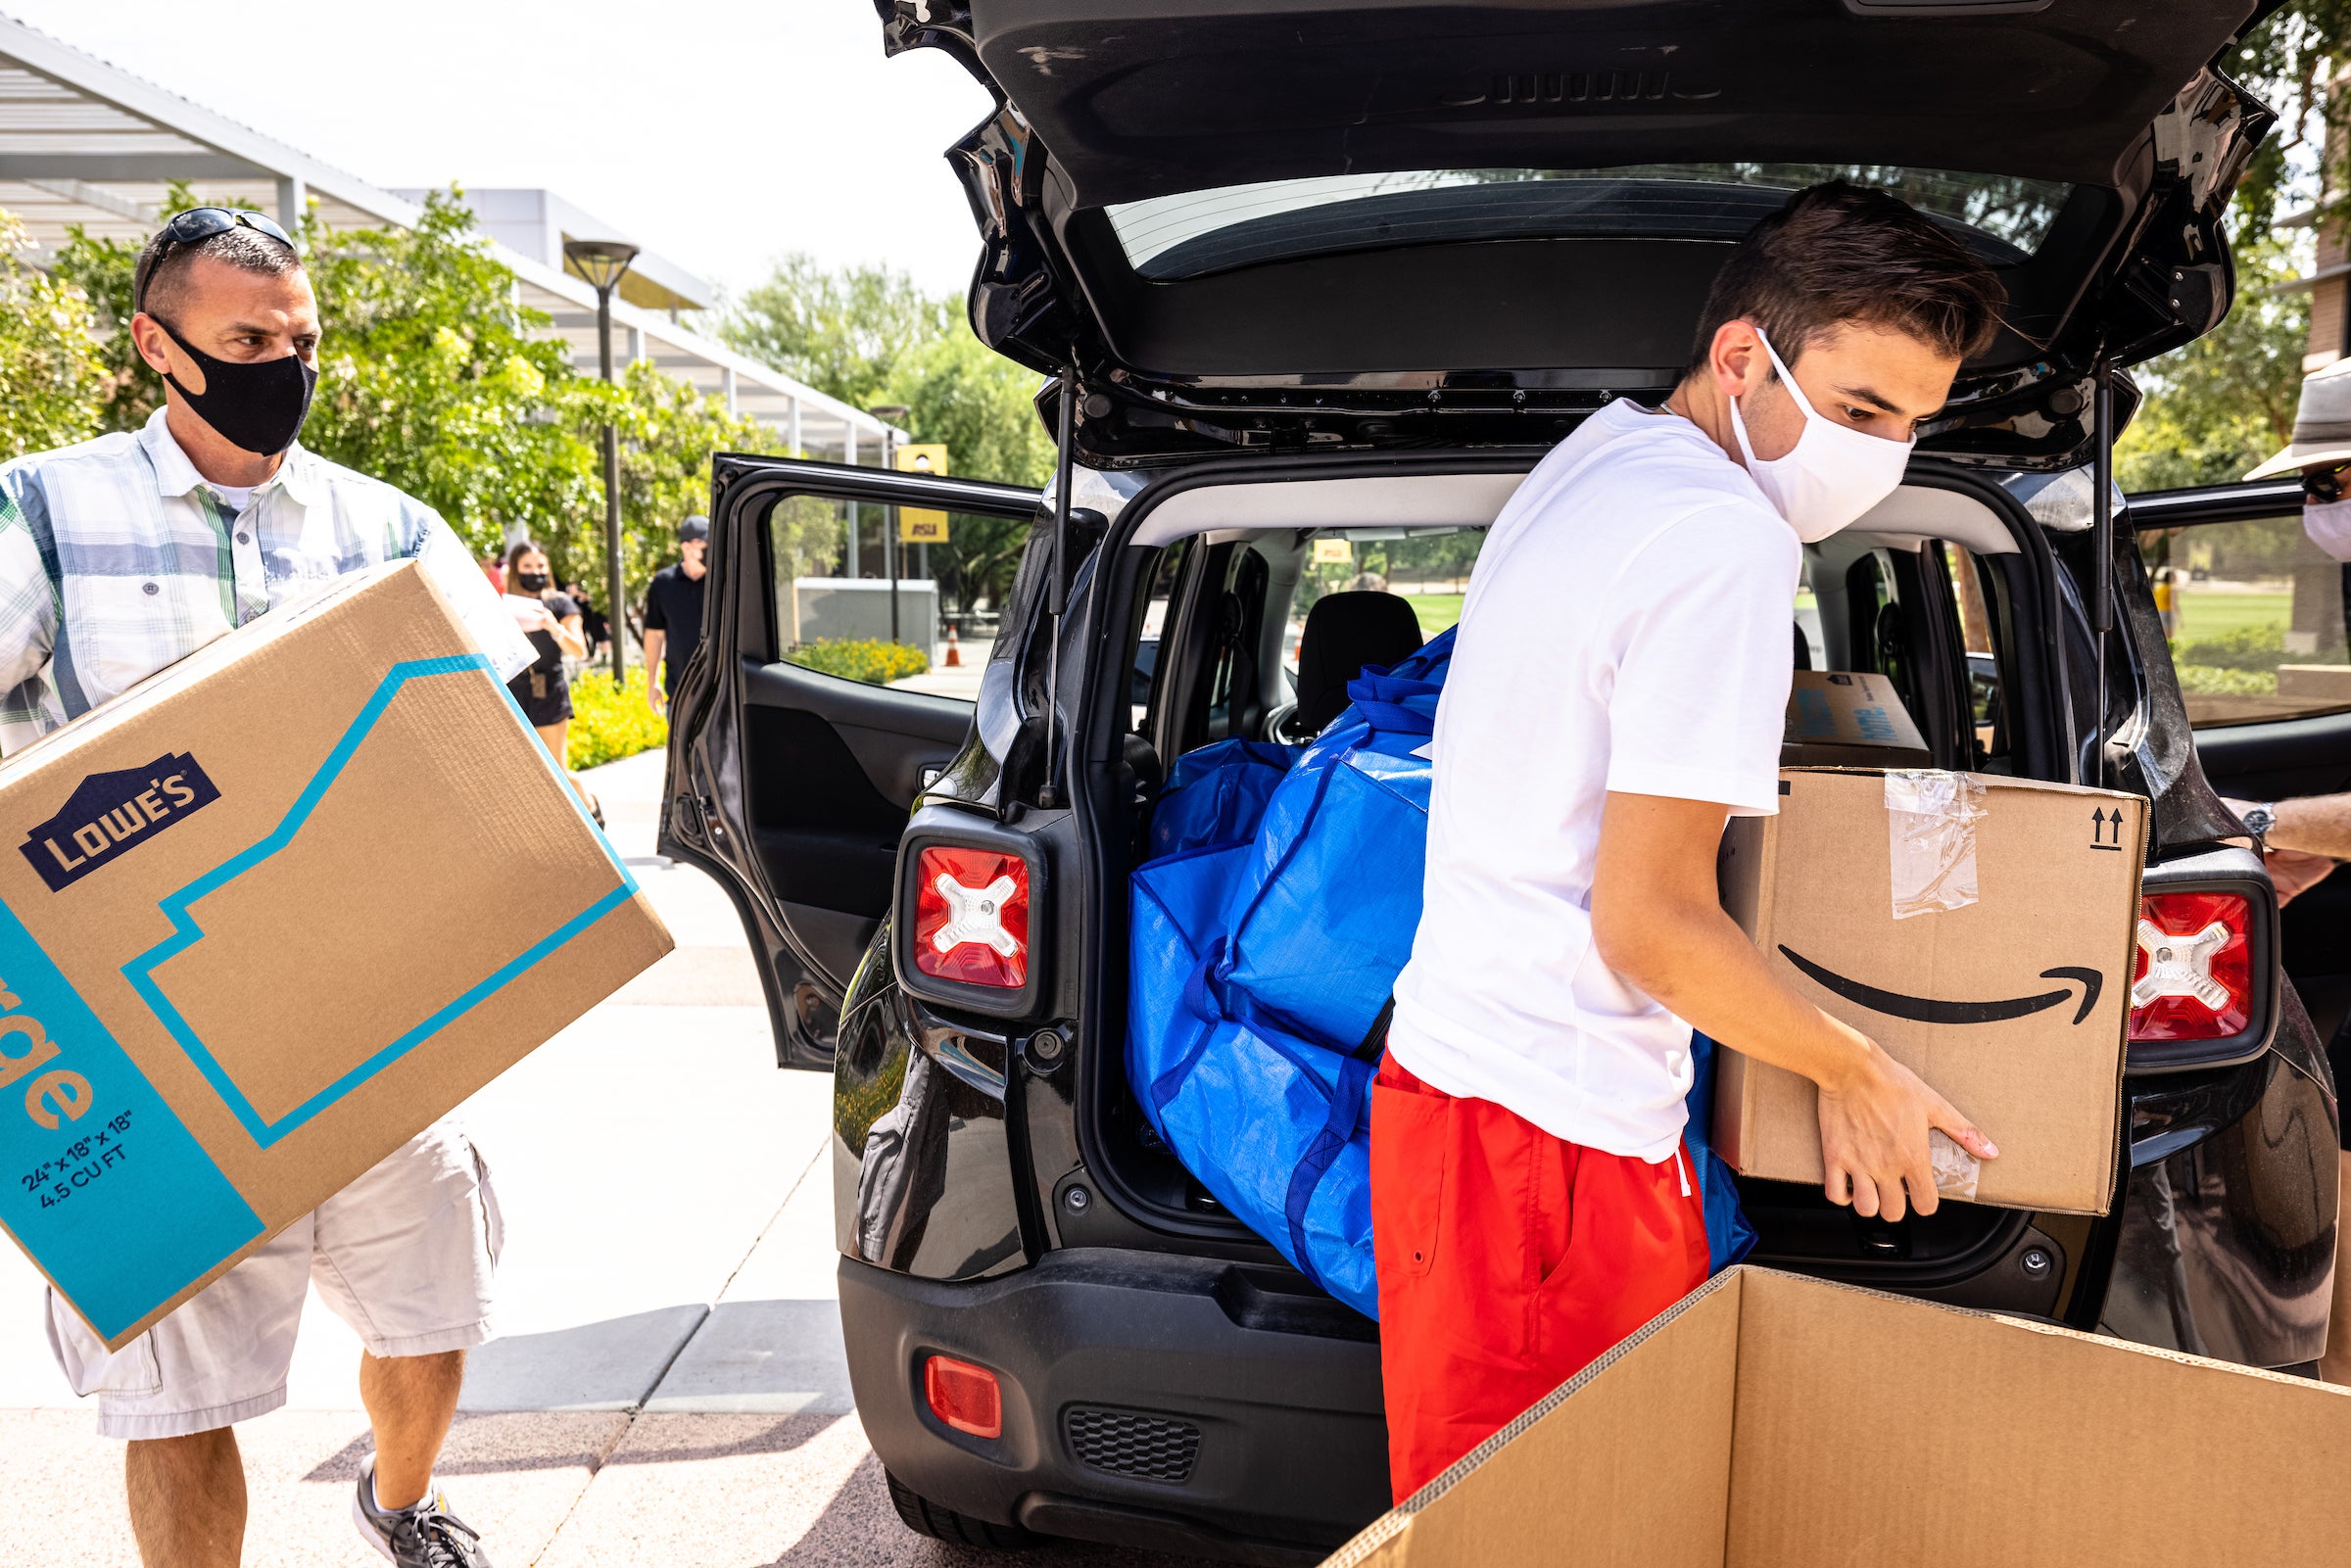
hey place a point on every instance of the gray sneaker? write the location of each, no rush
(427, 1535)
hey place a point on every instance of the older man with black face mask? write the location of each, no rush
(118, 557)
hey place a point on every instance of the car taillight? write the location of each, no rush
(2193, 979)
(970, 917)
(964, 1395)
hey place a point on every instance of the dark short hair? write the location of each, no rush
(1835, 255)
(165, 264)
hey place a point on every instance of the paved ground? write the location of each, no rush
(668, 1386)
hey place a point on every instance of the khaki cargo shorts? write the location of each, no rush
(404, 1254)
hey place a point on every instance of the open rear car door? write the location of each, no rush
(789, 785)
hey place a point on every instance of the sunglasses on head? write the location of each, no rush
(193, 227)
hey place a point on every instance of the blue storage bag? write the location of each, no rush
(1217, 794)
(1273, 1125)
(1729, 1236)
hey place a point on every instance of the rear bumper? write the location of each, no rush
(1291, 1454)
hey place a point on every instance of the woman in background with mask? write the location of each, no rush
(552, 621)
(1618, 688)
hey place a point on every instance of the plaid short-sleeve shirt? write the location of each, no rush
(118, 558)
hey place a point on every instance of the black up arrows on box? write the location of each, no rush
(2106, 829)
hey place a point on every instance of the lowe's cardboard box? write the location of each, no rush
(1857, 717)
(1983, 930)
(264, 917)
(1771, 1421)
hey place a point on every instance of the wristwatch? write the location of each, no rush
(2259, 819)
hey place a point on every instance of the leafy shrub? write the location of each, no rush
(605, 728)
(2246, 647)
(2219, 680)
(867, 659)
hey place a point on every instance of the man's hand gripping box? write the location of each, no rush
(268, 915)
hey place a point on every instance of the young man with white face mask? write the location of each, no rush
(1617, 689)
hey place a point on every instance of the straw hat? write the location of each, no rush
(2322, 424)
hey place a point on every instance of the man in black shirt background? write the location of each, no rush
(673, 612)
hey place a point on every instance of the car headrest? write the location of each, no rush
(1344, 632)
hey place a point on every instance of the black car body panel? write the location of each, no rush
(1284, 333)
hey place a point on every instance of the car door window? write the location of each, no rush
(2254, 615)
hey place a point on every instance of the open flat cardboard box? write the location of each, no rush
(1772, 1421)
(1982, 930)
(270, 914)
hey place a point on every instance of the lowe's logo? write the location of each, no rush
(110, 812)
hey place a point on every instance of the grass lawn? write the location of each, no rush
(1437, 611)
(2205, 615)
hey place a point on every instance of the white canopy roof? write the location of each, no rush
(83, 142)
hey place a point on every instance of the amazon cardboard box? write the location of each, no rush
(1856, 717)
(266, 915)
(1983, 930)
(1725, 1434)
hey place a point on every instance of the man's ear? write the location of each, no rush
(1737, 359)
(153, 343)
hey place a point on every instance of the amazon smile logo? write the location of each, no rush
(1928, 1009)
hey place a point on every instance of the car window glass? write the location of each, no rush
(829, 604)
(1430, 569)
(1974, 592)
(1143, 671)
(2254, 615)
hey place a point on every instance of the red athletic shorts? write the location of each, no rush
(1508, 1260)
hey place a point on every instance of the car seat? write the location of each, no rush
(1344, 632)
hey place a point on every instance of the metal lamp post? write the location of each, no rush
(890, 415)
(603, 263)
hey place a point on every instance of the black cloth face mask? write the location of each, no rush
(535, 582)
(257, 406)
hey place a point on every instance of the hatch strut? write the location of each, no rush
(1048, 795)
(2102, 540)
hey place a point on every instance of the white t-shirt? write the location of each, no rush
(1628, 628)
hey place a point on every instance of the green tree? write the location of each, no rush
(53, 382)
(2226, 401)
(962, 395)
(842, 333)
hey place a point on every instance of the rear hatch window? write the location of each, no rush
(1198, 233)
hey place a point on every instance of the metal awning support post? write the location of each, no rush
(1048, 796)
(2101, 544)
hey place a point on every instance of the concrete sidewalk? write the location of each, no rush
(668, 1383)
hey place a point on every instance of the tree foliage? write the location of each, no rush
(2221, 405)
(870, 337)
(841, 332)
(53, 382)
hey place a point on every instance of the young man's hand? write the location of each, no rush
(655, 697)
(1873, 1137)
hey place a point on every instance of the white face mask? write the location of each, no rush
(2329, 525)
(1832, 475)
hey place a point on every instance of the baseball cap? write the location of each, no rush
(693, 527)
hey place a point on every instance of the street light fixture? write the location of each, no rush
(603, 263)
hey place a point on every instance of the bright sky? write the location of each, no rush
(717, 132)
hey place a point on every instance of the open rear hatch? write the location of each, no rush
(1324, 224)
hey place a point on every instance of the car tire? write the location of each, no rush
(926, 1518)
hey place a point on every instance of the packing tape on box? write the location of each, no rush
(1931, 821)
(1956, 1170)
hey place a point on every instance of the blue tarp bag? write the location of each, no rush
(1217, 794)
(1273, 1125)
(1729, 1236)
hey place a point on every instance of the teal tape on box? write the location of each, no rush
(99, 1182)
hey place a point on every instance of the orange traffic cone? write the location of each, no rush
(954, 658)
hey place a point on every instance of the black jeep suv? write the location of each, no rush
(1316, 281)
